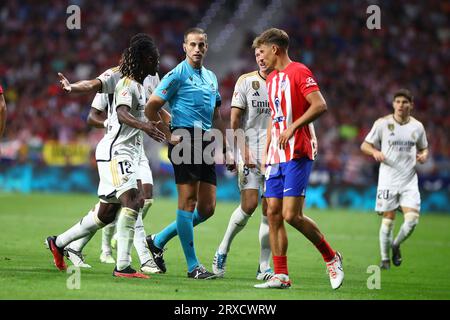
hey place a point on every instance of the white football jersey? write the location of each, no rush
(399, 144)
(250, 95)
(101, 101)
(121, 139)
(109, 80)
(111, 77)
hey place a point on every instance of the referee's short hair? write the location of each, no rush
(272, 36)
(195, 31)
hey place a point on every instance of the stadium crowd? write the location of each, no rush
(358, 69)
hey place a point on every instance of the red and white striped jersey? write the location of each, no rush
(287, 91)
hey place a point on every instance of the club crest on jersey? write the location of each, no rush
(391, 127)
(255, 85)
(283, 85)
(277, 103)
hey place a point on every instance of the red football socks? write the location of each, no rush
(280, 264)
(325, 249)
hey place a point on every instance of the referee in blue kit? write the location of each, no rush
(192, 93)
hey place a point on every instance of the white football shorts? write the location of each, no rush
(250, 178)
(390, 198)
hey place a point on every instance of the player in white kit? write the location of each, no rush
(398, 141)
(106, 83)
(118, 156)
(250, 114)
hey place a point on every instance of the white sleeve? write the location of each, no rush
(109, 79)
(100, 101)
(124, 93)
(150, 84)
(374, 136)
(239, 99)
(422, 141)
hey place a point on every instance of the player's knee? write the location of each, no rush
(207, 210)
(249, 207)
(412, 218)
(290, 218)
(147, 193)
(133, 200)
(274, 216)
(108, 213)
(188, 204)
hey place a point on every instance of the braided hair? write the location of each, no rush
(133, 63)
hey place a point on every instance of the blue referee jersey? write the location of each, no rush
(193, 94)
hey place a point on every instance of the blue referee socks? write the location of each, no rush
(170, 231)
(185, 230)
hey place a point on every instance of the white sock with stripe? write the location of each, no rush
(237, 222)
(407, 228)
(125, 234)
(139, 233)
(386, 236)
(107, 235)
(264, 242)
(89, 224)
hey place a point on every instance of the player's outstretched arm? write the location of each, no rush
(149, 128)
(83, 86)
(370, 150)
(2, 114)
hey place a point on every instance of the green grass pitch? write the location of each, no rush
(27, 271)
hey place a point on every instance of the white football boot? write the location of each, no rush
(336, 271)
(150, 267)
(278, 281)
(76, 258)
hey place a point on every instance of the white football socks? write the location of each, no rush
(237, 222)
(125, 234)
(107, 235)
(139, 234)
(386, 236)
(89, 224)
(264, 242)
(407, 228)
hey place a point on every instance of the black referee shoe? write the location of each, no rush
(201, 273)
(157, 253)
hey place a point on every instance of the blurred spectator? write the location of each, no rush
(358, 69)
